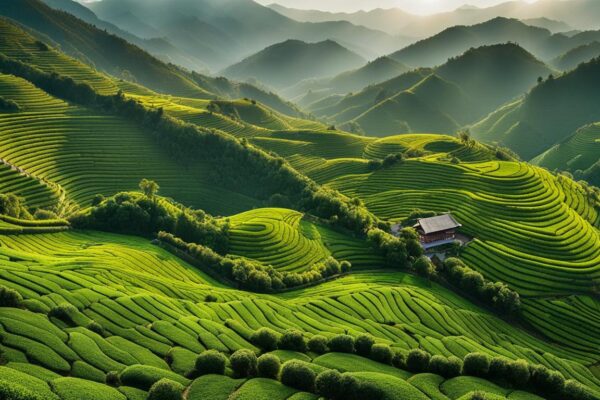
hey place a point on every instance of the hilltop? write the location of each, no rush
(576, 56)
(287, 63)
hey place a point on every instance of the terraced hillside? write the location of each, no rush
(133, 306)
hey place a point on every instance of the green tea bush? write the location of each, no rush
(13, 391)
(244, 363)
(266, 339)
(518, 373)
(10, 298)
(418, 360)
(328, 384)
(476, 364)
(210, 362)
(298, 375)
(268, 366)
(381, 353)
(363, 344)
(292, 340)
(166, 389)
(341, 344)
(318, 344)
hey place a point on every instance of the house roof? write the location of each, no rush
(438, 224)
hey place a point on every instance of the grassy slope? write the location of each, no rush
(147, 299)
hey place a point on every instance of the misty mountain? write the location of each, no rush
(285, 64)
(226, 31)
(457, 93)
(375, 71)
(551, 112)
(575, 56)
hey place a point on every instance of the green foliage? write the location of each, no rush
(424, 267)
(9, 105)
(418, 360)
(297, 375)
(341, 344)
(166, 389)
(381, 353)
(363, 344)
(144, 376)
(13, 391)
(328, 384)
(268, 366)
(210, 362)
(318, 344)
(476, 364)
(13, 206)
(266, 339)
(243, 363)
(10, 298)
(293, 340)
(448, 367)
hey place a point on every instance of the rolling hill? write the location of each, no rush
(576, 56)
(551, 112)
(287, 63)
(457, 93)
(293, 288)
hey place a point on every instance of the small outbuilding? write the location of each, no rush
(440, 229)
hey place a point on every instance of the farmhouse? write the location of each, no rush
(437, 230)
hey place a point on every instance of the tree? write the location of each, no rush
(292, 340)
(243, 363)
(446, 367)
(476, 364)
(518, 373)
(298, 375)
(417, 360)
(363, 344)
(328, 384)
(166, 389)
(318, 344)
(424, 267)
(268, 366)
(266, 339)
(10, 298)
(150, 188)
(381, 353)
(341, 344)
(211, 362)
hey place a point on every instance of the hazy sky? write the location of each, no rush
(416, 6)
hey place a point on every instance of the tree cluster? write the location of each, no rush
(14, 206)
(496, 294)
(147, 215)
(252, 275)
(397, 251)
(9, 105)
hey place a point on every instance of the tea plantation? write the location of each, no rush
(101, 316)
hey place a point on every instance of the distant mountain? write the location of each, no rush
(552, 15)
(455, 94)
(575, 56)
(222, 32)
(117, 57)
(285, 64)
(551, 112)
(375, 71)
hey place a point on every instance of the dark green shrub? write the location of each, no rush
(417, 360)
(292, 340)
(318, 344)
(266, 339)
(10, 298)
(399, 360)
(341, 344)
(9, 105)
(112, 379)
(446, 367)
(476, 364)
(349, 388)
(381, 353)
(268, 366)
(210, 298)
(96, 328)
(64, 312)
(166, 389)
(518, 373)
(297, 375)
(424, 267)
(363, 344)
(574, 390)
(211, 362)
(328, 384)
(243, 362)
(499, 367)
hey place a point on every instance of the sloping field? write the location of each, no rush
(281, 238)
(533, 230)
(150, 304)
(88, 153)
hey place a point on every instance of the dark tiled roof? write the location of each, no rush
(438, 224)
